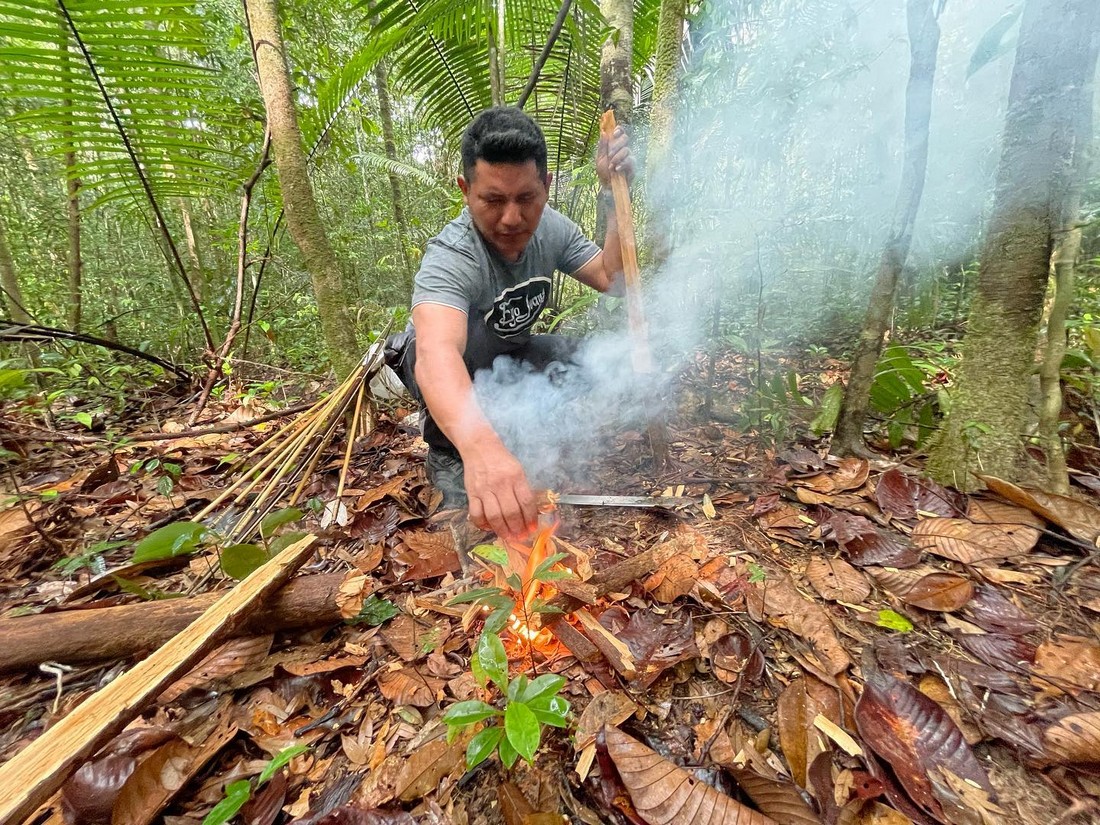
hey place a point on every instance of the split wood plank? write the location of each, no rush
(641, 355)
(97, 634)
(40, 769)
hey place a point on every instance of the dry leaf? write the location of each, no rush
(665, 794)
(1075, 517)
(904, 496)
(409, 686)
(999, 651)
(612, 707)
(673, 579)
(389, 488)
(838, 581)
(963, 541)
(938, 691)
(850, 475)
(225, 661)
(433, 554)
(993, 612)
(425, 768)
(411, 638)
(915, 736)
(1074, 739)
(784, 606)
(656, 645)
(798, 705)
(735, 658)
(1021, 526)
(775, 798)
(925, 587)
(866, 543)
(1069, 665)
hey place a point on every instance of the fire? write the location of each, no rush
(538, 638)
(542, 547)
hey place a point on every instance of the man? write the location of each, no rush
(482, 284)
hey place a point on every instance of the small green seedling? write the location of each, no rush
(238, 793)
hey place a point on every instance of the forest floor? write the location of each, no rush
(816, 641)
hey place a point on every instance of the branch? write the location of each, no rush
(536, 70)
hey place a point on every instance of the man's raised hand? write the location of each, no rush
(501, 500)
(614, 156)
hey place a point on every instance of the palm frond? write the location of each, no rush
(380, 163)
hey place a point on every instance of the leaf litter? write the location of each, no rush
(768, 688)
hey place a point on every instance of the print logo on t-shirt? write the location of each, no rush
(516, 308)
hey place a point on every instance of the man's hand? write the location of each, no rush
(501, 500)
(614, 156)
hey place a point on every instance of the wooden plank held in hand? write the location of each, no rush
(624, 218)
(40, 769)
(635, 313)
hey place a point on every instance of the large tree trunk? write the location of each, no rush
(389, 142)
(13, 295)
(662, 123)
(303, 219)
(616, 87)
(1055, 65)
(924, 42)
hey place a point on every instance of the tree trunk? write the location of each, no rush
(1052, 76)
(616, 87)
(303, 219)
(194, 257)
(13, 295)
(389, 142)
(662, 123)
(924, 42)
(74, 261)
(496, 54)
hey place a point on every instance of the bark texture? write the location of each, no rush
(389, 144)
(13, 295)
(616, 87)
(73, 259)
(924, 42)
(1052, 76)
(303, 218)
(662, 123)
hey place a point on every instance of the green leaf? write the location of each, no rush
(481, 747)
(469, 712)
(830, 409)
(543, 686)
(133, 588)
(239, 560)
(176, 539)
(516, 687)
(375, 611)
(493, 553)
(893, 621)
(551, 710)
(547, 563)
(757, 573)
(493, 659)
(522, 729)
(478, 672)
(514, 581)
(508, 754)
(280, 543)
(475, 595)
(273, 521)
(281, 760)
(994, 42)
(236, 795)
(496, 620)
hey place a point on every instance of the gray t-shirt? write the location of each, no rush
(460, 270)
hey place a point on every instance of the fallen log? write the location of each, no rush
(104, 633)
(42, 767)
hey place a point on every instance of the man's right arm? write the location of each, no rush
(500, 497)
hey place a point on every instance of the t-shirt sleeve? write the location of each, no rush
(577, 250)
(445, 277)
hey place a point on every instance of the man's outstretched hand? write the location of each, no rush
(501, 500)
(614, 156)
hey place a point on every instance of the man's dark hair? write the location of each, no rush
(503, 134)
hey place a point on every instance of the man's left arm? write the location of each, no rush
(604, 272)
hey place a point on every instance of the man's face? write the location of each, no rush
(506, 201)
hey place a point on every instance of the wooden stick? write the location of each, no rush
(99, 634)
(616, 653)
(41, 768)
(641, 356)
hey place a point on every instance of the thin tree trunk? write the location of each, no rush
(924, 41)
(616, 87)
(389, 143)
(13, 295)
(74, 261)
(1052, 77)
(194, 257)
(662, 124)
(496, 55)
(303, 219)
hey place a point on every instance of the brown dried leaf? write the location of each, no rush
(1075, 517)
(1067, 665)
(409, 686)
(779, 800)
(612, 707)
(838, 581)
(348, 815)
(90, 794)
(866, 543)
(656, 645)
(999, 651)
(425, 768)
(963, 541)
(783, 605)
(1074, 739)
(225, 661)
(925, 587)
(937, 690)
(798, 706)
(433, 554)
(413, 638)
(665, 794)
(389, 488)
(735, 658)
(849, 475)
(916, 736)
(1022, 527)
(993, 612)
(902, 496)
(267, 803)
(673, 579)
(851, 502)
